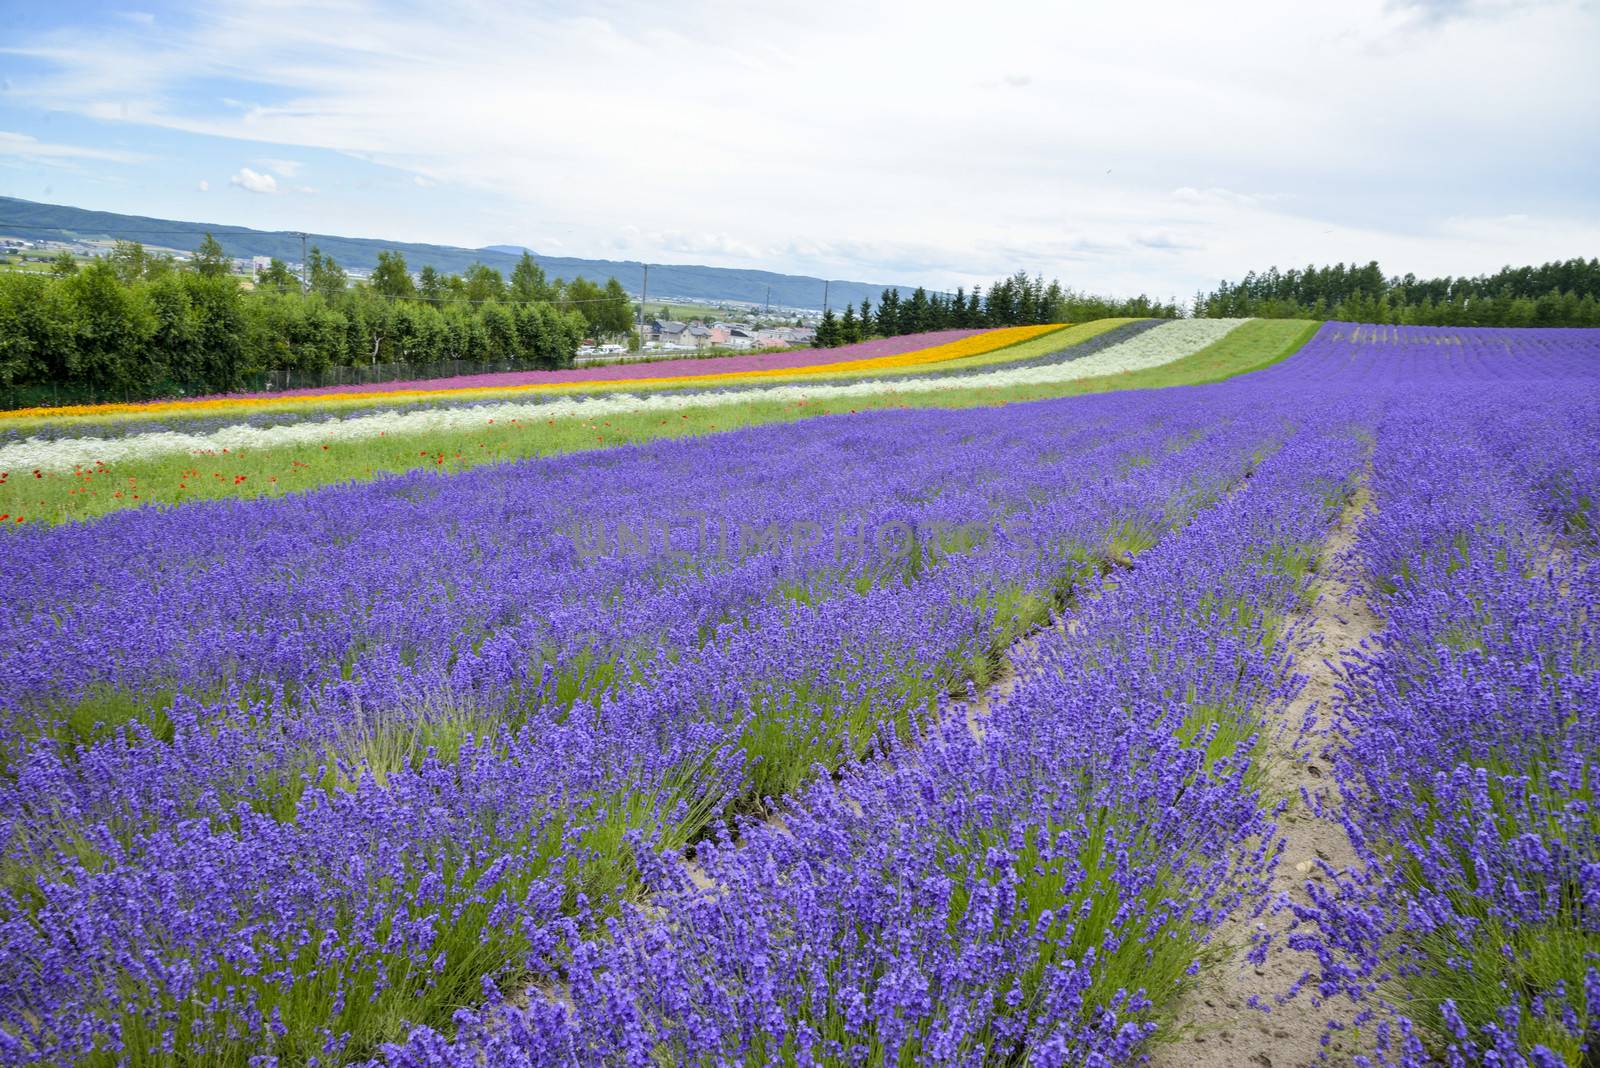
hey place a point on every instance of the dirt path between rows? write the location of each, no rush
(1214, 1024)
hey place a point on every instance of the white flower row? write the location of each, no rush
(1163, 344)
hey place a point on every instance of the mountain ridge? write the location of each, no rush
(38, 220)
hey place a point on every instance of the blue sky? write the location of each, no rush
(1129, 147)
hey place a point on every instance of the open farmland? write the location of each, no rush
(959, 704)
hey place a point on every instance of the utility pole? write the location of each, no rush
(305, 280)
(767, 308)
(825, 284)
(644, 294)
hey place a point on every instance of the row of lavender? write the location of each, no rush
(1032, 887)
(371, 783)
(1469, 744)
(287, 777)
(1037, 891)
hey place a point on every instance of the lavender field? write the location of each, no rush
(948, 737)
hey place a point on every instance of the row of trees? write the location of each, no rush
(1565, 293)
(136, 325)
(606, 310)
(1015, 301)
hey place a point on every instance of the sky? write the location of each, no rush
(1123, 148)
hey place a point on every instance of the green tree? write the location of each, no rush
(177, 334)
(528, 281)
(584, 297)
(36, 330)
(390, 277)
(866, 318)
(325, 274)
(219, 326)
(914, 315)
(277, 277)
(429, 285)
(484, 284)
(849, 326)
(158, 265)
(209, 260)
(615, 315)
(889, 313)
(112, 325)
(63, 264)
(128, 259)
(827, 335)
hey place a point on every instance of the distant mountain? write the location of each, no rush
(26, 218)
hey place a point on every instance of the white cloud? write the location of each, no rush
(287, 168)
(251, 182)
(204, 185)
(31, 148)
(936, 147)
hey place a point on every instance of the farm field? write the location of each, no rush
(78, 466)
(993, 700)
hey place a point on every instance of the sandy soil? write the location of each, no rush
(1214, 1024)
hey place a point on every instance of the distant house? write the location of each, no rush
(780, 337)
(700, 336)
(664, 333)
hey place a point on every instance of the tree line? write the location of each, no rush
(1562, 293)
(138, 325)
(1015, 301)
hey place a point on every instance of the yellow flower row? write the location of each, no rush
(974, 345)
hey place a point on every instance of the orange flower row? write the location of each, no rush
(975, 345)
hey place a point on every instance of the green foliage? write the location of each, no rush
(827, 336)
(127, 258)
(113, 325)
(390, 278)
(1565, 293)
(430, 286)
(130, 327)
(326, 276)
(849, 326)
(484, 284)
(1015, 301)
(276, 276)
(209, 260)
(528, 281)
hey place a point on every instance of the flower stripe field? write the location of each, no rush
(876, 348)
(1165, 343)
(679, 373)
